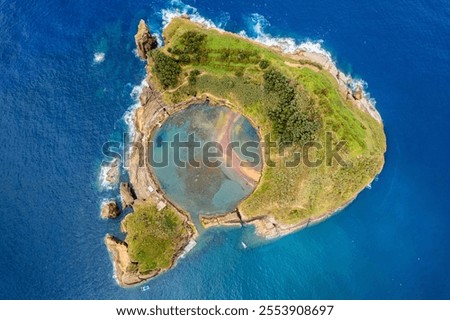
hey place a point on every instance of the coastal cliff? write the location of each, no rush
(125, 270)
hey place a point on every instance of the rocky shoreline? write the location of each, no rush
(142, 188)
(265, 226)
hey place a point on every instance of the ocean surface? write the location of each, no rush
(68, 77)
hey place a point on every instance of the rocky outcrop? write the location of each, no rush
(112, 175)
(127, 195)
(126, 271)
(110, 210)
(144, 40)
(231, 219)
(267, 227)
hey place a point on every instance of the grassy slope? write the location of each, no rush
(289, 194)
(154, 237)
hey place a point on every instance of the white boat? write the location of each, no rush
(145, 288)
(244, 245)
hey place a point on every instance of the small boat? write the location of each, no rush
(145, 288)
(244, 245)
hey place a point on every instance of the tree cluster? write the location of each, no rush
(246, 56)
(291, 122)
(166, 69)
(192, 48)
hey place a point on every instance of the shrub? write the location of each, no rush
(192, 79)
(264, 64)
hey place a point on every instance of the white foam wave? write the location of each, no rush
(99, 57)
(178, 9)
(136, 53)
(159, 39)
(354, 84)
(102, 179)
(258, 24)
(129, 115)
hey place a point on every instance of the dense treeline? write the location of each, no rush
(246, 56)
(294, 120)
(166, 69)
(191, 48)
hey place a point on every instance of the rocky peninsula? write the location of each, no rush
(199, 64)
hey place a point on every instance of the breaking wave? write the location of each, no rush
(99, 57)
(129, 115)
(178, 9)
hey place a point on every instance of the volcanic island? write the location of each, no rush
(297, 99)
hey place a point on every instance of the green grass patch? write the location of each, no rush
(154, 237)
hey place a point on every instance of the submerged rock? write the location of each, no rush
(110, 210)
(144, 40)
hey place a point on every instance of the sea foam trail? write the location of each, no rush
(258, 23)
(128, 118)
(129, 115)
(104, 184)
(178, 9)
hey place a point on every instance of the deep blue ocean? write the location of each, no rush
(58, 107)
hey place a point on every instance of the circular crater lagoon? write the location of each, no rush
(206, 158)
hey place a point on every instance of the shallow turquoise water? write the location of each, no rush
(203, 189)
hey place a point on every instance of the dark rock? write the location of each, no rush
(110, 210)
(127, 195)
(144, 40)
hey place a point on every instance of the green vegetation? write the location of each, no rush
(192, 79)
(264, 64)
(166, 69)
(292, 100)
(154, 237)
(191, 48)
(293, 116)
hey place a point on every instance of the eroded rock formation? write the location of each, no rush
(110, 210)
(144, 40)
(127, 195)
